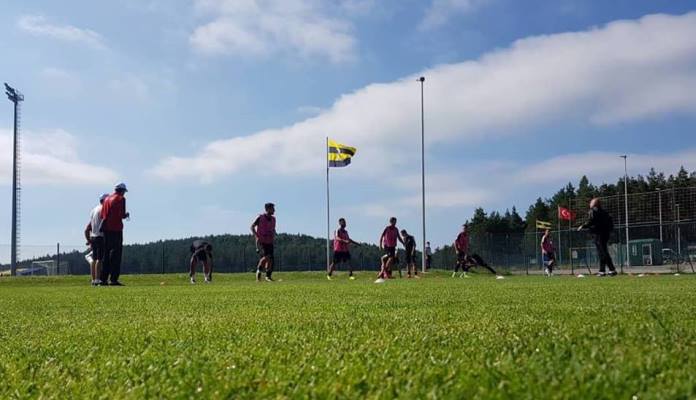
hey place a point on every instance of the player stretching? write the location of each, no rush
(410, 246)
(341, 245)
(264, 231)
(388, 242)
(548, 253)
(464, 260)
(461, 247)
(201, 251)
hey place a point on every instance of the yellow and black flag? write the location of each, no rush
(543, 224)
(339, 154)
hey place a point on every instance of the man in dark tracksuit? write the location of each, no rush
(600, 224)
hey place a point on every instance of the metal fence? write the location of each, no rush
(661, 237)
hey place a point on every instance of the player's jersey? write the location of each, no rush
(547, 244)
(390, 235)
(265, 228)
(463, 241)
(409, 244)
(339, 245)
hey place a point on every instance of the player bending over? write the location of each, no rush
(201, 251)
(388, 242)
(264, 230)
(341, 245)
(548, 253)
(410, 246)
(95, 240)
(466, 261)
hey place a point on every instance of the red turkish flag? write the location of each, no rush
(565, 214)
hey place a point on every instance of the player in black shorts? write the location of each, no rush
(201, 251)
(410, 249)
(341, 246)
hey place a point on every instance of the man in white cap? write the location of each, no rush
(95, 240)
(113, 213)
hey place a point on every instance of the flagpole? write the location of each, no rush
(558, 216)
(422, 80)
(328, 209)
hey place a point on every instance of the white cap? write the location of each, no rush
(121, 186)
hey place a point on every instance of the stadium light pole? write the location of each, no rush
(659, 204)
(423, 256)
(15, 97)
(625, 157)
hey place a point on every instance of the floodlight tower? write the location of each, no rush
(15, 97)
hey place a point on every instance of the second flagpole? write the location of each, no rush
(328, 209)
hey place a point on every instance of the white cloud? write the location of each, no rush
(603, 166)
(264, 27)
(50, 158)
(440, 11)
(39, 26)
(596, 76)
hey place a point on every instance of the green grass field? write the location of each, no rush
(438, 337)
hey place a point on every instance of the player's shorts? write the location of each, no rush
(200, 255)
(341, 256)
(549, 258)
(390, 251)
(97, 246)
(410, 258)
(267, 250)
(462, 256)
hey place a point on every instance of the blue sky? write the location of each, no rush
(209, 108)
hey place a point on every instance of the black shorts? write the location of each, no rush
(266, 250)
(410, 258)
(200, 255)
(341, 256)
(462, 256)
(97, 246)
(390, 251)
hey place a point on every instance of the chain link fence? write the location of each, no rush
(661, 232)
(661, 237)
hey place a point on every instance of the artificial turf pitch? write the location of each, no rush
(437, 337)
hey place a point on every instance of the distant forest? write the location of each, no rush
(236, 253)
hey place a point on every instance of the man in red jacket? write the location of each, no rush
(113, 213)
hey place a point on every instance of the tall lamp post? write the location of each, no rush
(15, 97)
(422, 81)
(625, 157)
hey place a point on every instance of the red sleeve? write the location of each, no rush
(105, 208)
(124, 207)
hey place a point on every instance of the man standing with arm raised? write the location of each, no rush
(600, 224)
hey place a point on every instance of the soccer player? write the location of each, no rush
(113, 213)
(464, 259)
(410, 246)
(264, 230)
(201, 251)
(548, 253)
(461, 247)
(600, 224)
(341, 245)
(95, 240)
(388, 242)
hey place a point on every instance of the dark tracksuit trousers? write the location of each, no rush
(601, 241)
(113, 249)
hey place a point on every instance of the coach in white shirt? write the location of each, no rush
(95, 239)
